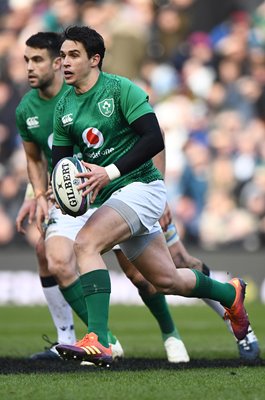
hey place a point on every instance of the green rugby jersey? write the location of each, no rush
(34, 119)
(98, 122)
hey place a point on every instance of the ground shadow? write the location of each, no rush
(10, 365)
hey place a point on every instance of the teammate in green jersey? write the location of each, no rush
(111, 121)
(34, 117)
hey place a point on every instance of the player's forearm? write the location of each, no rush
(37, 172)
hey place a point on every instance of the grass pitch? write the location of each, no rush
(215, 371)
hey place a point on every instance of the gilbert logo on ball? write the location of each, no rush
(64, 186)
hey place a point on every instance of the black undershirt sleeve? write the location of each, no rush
(59, 152)
(151, 142)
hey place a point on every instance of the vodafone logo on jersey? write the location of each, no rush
(92, 137)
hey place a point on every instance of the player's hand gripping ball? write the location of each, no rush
(64, 186)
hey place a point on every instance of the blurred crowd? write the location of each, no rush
(202, 63)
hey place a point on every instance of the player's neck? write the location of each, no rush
(52, 90)
(85, 85)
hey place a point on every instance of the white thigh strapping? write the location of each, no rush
(171, 236)
(147, 200)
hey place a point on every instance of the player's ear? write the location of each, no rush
(94, 60)
(57, 63)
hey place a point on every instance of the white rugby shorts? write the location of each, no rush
(140, 204)
(146, 200)
(64, 225)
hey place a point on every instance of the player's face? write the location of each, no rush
(39, 67)
(76, 66)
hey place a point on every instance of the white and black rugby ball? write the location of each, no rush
(64, 186)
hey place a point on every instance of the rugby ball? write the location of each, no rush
(64, 185)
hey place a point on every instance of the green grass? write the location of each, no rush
(208, 384)
(205, 336)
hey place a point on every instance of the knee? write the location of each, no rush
(55, 265)
(61, 265)
(87, 244)
(81, 245)
(165, 284)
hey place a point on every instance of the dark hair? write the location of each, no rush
(92, 41)
(46, 40)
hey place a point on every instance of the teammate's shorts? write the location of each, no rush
(64, 225)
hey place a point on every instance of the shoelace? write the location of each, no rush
(47, 339)
(83, 342)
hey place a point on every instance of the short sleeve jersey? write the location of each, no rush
(98, 121)
(34, 119)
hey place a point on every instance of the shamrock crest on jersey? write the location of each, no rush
(106, 107)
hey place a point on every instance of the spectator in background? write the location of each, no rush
(193, 185)
(174, 113)
(8, 138)
(225, 127)
(198, 46)
(16, 69)
(6, 227)
(242, 91)
(252, 198)
(221, 176)
(169, 31)
(258, 20)
(257, 71)
(197, 78)
(222, 223)
(12, 186)
(245, 157)
(60, 14)
(127, 30)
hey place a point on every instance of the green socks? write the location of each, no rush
(158, 306)
(111, 338)
(96, 289)
(211, 289)
(74, 296)
(89, 297)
